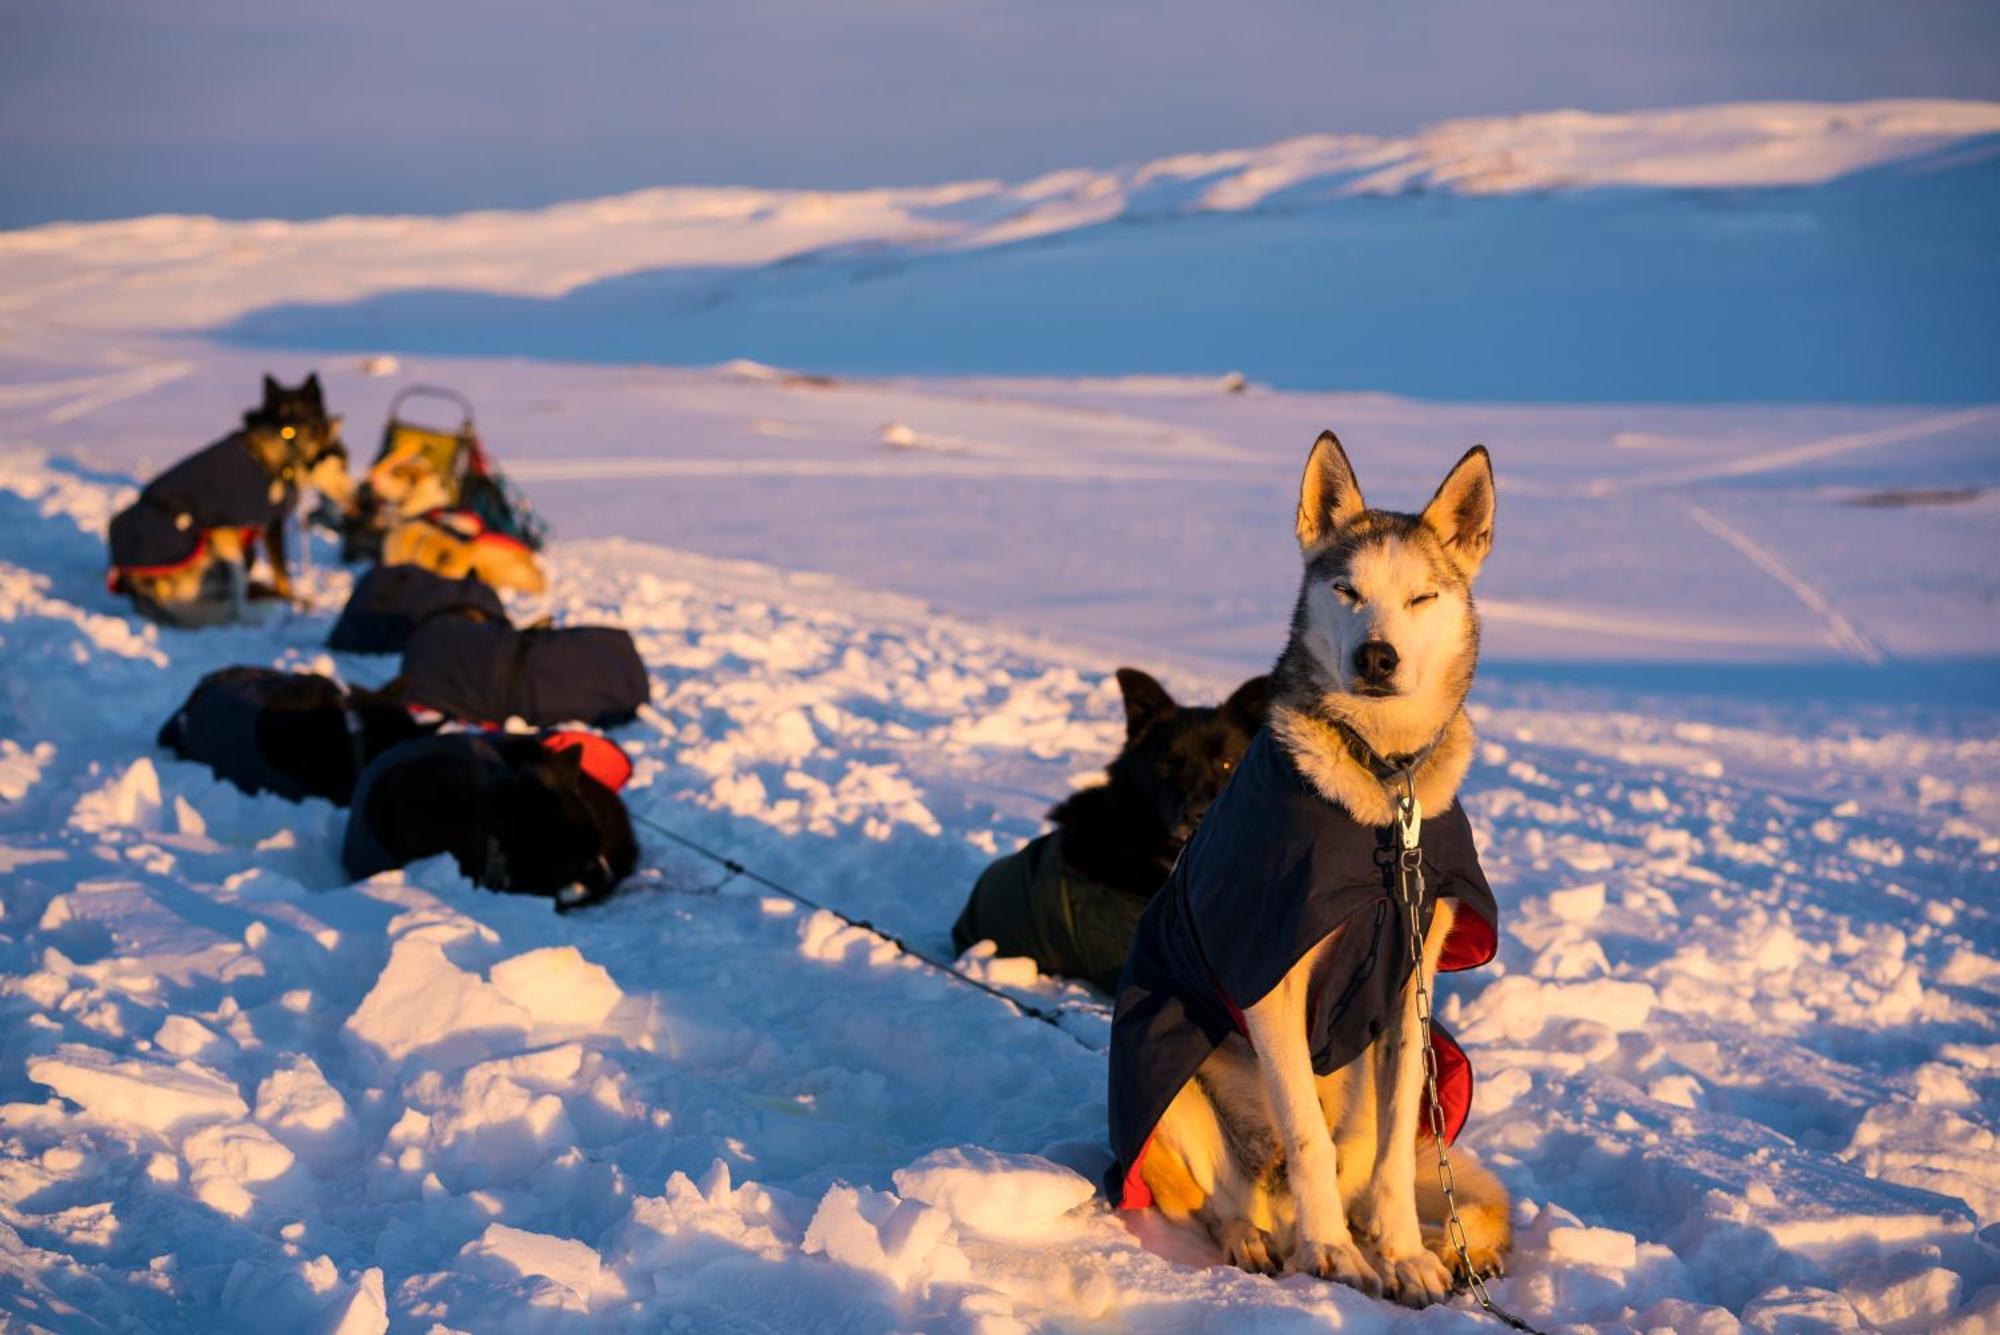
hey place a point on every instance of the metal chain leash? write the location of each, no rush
(1410, 887)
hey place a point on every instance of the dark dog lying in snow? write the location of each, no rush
(489, 672)
(1070, 899)
(289, 733)
(521, 813)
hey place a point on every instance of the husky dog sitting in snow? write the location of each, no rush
(1267, 1059)
(1070, 899)
(534, 815)
(291, 733)
(184, 550)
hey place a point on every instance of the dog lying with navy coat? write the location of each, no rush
(518, 813)
(1267, 1054)
(1070, 899)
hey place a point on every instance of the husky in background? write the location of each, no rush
(1293, 1138)
(183, 552)
(1127, 831)
(1070, 899)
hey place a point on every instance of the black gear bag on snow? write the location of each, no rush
(390, 601)
(489, 672)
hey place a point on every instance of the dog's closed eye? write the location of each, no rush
(1347, 591)
(1423, 598)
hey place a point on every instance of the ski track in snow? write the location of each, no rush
(1738, 1056)
(1844, 634)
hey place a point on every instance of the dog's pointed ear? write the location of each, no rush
(1146, 701)
(272, 389)
(311, 390)
(1329, 497)
(1461, 513)
(1250, 702)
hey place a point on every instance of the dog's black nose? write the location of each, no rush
(1375, 661)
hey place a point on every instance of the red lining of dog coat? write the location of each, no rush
(1471, 942)
(603, 759)
(114, 580)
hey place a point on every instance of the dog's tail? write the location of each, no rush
(1483, 1207)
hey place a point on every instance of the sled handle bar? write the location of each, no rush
(433, 392)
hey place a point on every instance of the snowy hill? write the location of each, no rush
(1738, 790)
(1745, 252)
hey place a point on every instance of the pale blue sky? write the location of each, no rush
(112, 107)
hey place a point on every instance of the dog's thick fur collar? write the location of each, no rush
(1323, 757)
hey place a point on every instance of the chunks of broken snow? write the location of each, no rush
(298, 1105)
(908, 1243)
(1516, 1007)
(424, 1003)
(133, 802)
(1009, 1197)
(497, 1121)
(512, 1254)
(305, 1295)
(229, 1160)
(557, 986)
(159, 1096)
(687, 1224)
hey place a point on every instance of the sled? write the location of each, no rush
(423, 468)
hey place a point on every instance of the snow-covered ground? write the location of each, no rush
(1739, 794)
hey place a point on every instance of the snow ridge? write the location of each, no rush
(181, 272)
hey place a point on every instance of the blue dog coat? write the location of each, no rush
(222, 486)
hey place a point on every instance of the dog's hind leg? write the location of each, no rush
(1209, 1162)
(1483, 1208)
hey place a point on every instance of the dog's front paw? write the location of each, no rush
(1415, 1279)
(1248, 1247)
(1341, 1261)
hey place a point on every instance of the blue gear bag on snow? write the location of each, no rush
(488, 672)
(390, 601)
